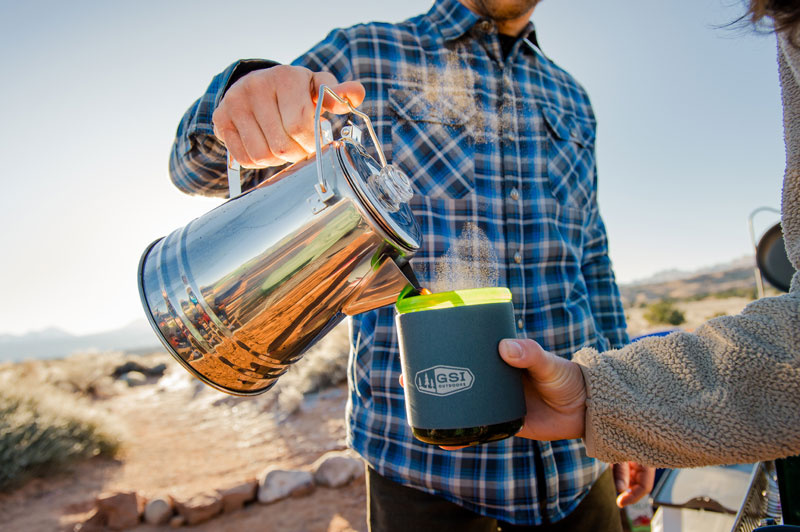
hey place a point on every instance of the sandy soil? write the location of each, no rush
(183, 440)
(695, 312)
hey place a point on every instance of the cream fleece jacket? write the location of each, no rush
(729, 392)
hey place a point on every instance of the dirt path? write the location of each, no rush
(183, 440)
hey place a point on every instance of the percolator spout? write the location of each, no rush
(413, 282)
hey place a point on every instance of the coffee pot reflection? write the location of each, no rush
(239, 294)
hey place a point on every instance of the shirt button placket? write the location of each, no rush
(508, 123)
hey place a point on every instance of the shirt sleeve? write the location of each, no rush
(197, 162)
(604, 296)
(728, 393)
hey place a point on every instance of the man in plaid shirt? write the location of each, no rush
(496, 139)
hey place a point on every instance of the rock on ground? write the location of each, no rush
(337, 468)
(235, 497)
(199, 508)
(122, 510)
(276, 484)
(158, 511)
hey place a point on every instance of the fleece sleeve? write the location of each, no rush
(728, 393)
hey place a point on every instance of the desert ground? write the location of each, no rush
(182, 438)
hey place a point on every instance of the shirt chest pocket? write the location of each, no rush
(570, 157)
(432, 144)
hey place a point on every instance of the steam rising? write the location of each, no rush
(469, 263)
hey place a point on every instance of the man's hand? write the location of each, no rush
(554, 391)
(266, 118)
(633, 481)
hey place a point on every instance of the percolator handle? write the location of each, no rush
(322, 188)
(234, 176)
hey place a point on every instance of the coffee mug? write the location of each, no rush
(458, 391)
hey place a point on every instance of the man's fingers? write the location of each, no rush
(297, 116)
(350, 90)
(631, 495)
(621, 476)
(240, 131)
(647, 477)
(281, 143)
(639, 482)
(233, 143)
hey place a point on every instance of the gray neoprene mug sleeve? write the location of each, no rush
(453, 374)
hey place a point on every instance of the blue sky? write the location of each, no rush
(689, 130)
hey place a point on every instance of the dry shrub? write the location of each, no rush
(664, 312)
(323, 366)
(85, 374)
(43, 429)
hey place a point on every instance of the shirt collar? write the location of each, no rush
(453, 19)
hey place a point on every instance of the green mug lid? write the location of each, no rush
(456, 298)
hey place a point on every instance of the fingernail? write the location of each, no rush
(511, 349)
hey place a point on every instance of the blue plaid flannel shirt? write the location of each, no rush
(504, 144)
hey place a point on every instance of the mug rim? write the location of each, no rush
(453, 298)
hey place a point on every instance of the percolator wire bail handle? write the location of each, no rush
(323, 89)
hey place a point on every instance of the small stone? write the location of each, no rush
(96, 522)
(134, 378)
(177, 521)
(122, 510)
(336, 469)
(199, 508)
(154, 371)
(235, 497)
(158, 511)
(276, 484)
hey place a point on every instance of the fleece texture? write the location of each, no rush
(730, 391)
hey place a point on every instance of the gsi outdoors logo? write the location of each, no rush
(444, 380)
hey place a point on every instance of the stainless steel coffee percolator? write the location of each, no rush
(238, 294)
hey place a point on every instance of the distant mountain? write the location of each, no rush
(55, 343)
(747, 261)
(733, 277)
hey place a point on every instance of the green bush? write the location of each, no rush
(749, 293)
(42, 430)
(664, 312)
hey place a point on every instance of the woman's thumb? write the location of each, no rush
(518, 353)
(529, 355)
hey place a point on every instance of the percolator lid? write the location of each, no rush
(399, 224)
